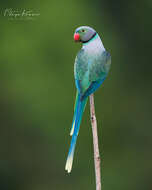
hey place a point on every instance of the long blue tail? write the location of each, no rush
(79, 109)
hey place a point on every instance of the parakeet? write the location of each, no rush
(91, 67)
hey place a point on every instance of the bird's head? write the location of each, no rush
(84, 34)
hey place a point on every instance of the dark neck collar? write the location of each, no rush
(90, 38)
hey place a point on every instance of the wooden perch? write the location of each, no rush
(95, 143)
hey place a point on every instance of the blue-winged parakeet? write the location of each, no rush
(91, 68)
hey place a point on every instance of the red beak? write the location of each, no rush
(76, 37)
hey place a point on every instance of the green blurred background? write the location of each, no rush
(37, 93)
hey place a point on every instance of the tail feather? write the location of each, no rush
(79, 109)
(75, 110)
(72, 129)
(69, 161)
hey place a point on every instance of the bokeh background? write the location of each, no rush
(37, 93)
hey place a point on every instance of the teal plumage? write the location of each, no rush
(91, 67)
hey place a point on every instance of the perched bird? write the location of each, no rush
(91, 67)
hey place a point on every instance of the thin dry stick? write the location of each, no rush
(95, 143)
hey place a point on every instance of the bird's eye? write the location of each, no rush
(83, 30)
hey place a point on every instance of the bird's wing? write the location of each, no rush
(81, 72)
(90, 74)
(97, 73)
(92, 88)
(100, 67)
